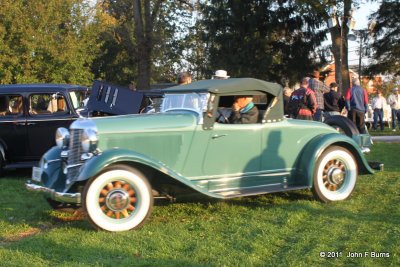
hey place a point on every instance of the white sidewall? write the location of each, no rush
(350, 176)
(103, 221)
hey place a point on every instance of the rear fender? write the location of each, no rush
(317, 145)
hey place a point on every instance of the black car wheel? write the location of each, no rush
(342, 125)
(1, 165)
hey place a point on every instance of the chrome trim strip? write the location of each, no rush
(280, 172)
(244, 188)
(74, 198)
(37, 120)
(53, 161)
(73, 165)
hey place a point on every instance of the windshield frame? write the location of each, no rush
(181, 99)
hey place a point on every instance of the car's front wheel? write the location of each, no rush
(118, 199)
(335, 174)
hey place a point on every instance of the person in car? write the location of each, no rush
(243, 110)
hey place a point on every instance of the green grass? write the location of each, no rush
(284, 229)
(387, 131)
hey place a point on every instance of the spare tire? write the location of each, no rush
(342, 125)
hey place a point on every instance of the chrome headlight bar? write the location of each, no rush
(62, 137)
(89, 140)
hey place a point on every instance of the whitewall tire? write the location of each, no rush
(118, 199)
(335, 175)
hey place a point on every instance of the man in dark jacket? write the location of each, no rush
(333, 101)
(357, 105)
(243, 110)
(303, 104)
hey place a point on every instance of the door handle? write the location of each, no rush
(31, 123)
(218, 136)
(19, 123)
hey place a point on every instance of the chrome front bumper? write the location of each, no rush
(74, 198)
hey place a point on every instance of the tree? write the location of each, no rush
(339, 19)
(143, 44)
(46, 41)
(386, 44)
(265, 39)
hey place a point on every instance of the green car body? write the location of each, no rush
(186, 145)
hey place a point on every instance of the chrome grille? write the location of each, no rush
(75, 152)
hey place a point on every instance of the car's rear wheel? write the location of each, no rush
(118, 199)
(1, 165)
(335, 175)
(342, 125)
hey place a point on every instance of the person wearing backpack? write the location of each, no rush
(302, 104)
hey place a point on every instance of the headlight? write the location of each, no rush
(89, 140)
(62, 137)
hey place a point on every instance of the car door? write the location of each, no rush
(13, 127)
(47, 112)
(233, 154)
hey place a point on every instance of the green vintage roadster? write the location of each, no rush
(115, 166)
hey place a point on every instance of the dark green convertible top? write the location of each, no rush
(237, 86)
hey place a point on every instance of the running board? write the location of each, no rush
(21, 165)
(259, 190)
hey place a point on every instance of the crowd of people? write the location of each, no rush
(319, 101)
(314, 100)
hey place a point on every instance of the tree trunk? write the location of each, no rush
(340, 49)
(144, 58)
(345, 32)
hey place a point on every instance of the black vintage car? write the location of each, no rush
(30, 114)
(29, 117)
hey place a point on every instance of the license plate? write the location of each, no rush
(36, 174)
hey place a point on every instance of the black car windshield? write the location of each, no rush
(79, 98)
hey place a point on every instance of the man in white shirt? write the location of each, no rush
(378, 103)
(394, 102)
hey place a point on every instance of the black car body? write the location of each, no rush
(29, 117)
(30, 114)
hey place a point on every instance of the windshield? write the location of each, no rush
(189, 101)
(79, 98)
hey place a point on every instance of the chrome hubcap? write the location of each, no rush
(117, 200)
(334, 175)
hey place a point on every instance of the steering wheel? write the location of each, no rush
(221, 117)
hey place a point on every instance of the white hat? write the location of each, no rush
(395, 89)
(221, 74)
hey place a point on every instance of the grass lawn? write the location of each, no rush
(284, 229)
(386, 131)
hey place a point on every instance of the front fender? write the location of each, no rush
(51, 164)
(317, 145)
(96, 164)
